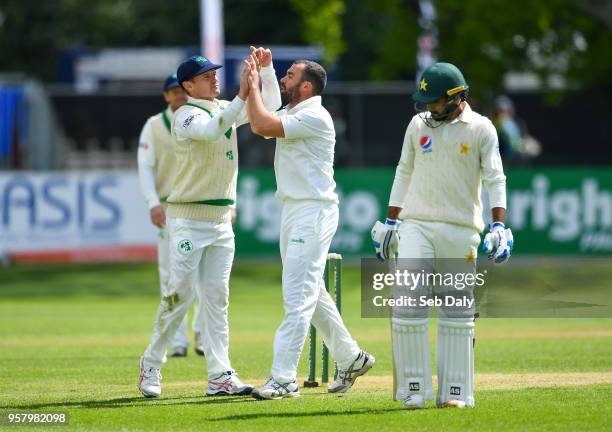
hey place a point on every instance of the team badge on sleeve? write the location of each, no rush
(426, 144)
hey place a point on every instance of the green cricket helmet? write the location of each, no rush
(440, 80)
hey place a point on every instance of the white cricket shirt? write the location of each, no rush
(304, 158)
(439, 175)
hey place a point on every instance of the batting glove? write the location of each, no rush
(498, 243)
(385, 238)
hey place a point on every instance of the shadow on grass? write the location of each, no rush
(136, 401)
(267, 414)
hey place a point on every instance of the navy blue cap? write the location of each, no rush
(194, 66)
(171, 82)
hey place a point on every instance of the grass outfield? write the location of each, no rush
(71, 338)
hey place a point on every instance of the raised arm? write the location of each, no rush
(262, 122)
(270, 91)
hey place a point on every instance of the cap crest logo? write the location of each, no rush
(423, 84)
(200, 59)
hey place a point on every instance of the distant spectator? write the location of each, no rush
(515, 143)
(343, 149)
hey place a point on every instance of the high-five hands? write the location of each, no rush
(252, 66)
(263, 55)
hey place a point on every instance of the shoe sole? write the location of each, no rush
(288, 395)
(363, 372)
(245, 392)
(148, 395)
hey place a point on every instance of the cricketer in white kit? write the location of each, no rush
(434, 219)
(303, 164)
(156, 168)
(201, 234)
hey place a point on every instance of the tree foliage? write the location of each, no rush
(556, 38)
(366, 39)
(322, 21)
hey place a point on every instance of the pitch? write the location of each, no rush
(72, 336)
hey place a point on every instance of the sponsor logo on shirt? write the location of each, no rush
(426, 144)
(144, 146)
(189, 119)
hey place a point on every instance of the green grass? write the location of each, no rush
(71, 336)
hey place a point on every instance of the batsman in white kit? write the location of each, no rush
(199, 218)
(435, 216)
(303, 164)
(156, 169)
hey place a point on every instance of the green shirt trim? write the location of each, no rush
(212, 202)
(228, 133)
(166, 120)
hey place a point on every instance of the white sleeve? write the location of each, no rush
(146, 165)
(146, 145)
(146, 175)
(196, 124)
(491, 168)
(270, 92)
(243, 117)
(403, 172)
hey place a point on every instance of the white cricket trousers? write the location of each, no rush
(180, 338)
(307, 229)
(205, 251)
(450, 249)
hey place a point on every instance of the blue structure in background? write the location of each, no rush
(13, 118)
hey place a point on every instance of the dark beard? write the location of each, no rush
(284, 98)
(288, 97)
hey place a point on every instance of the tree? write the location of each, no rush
(322, 25)
(487, 38)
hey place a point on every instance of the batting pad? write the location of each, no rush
(411, 358)
(455, 360)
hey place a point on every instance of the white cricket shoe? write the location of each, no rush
(453, 403)
(228, 384)
(414, 401)
(346, 378)
(272, 389)
(179, 352)
(150, 378)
